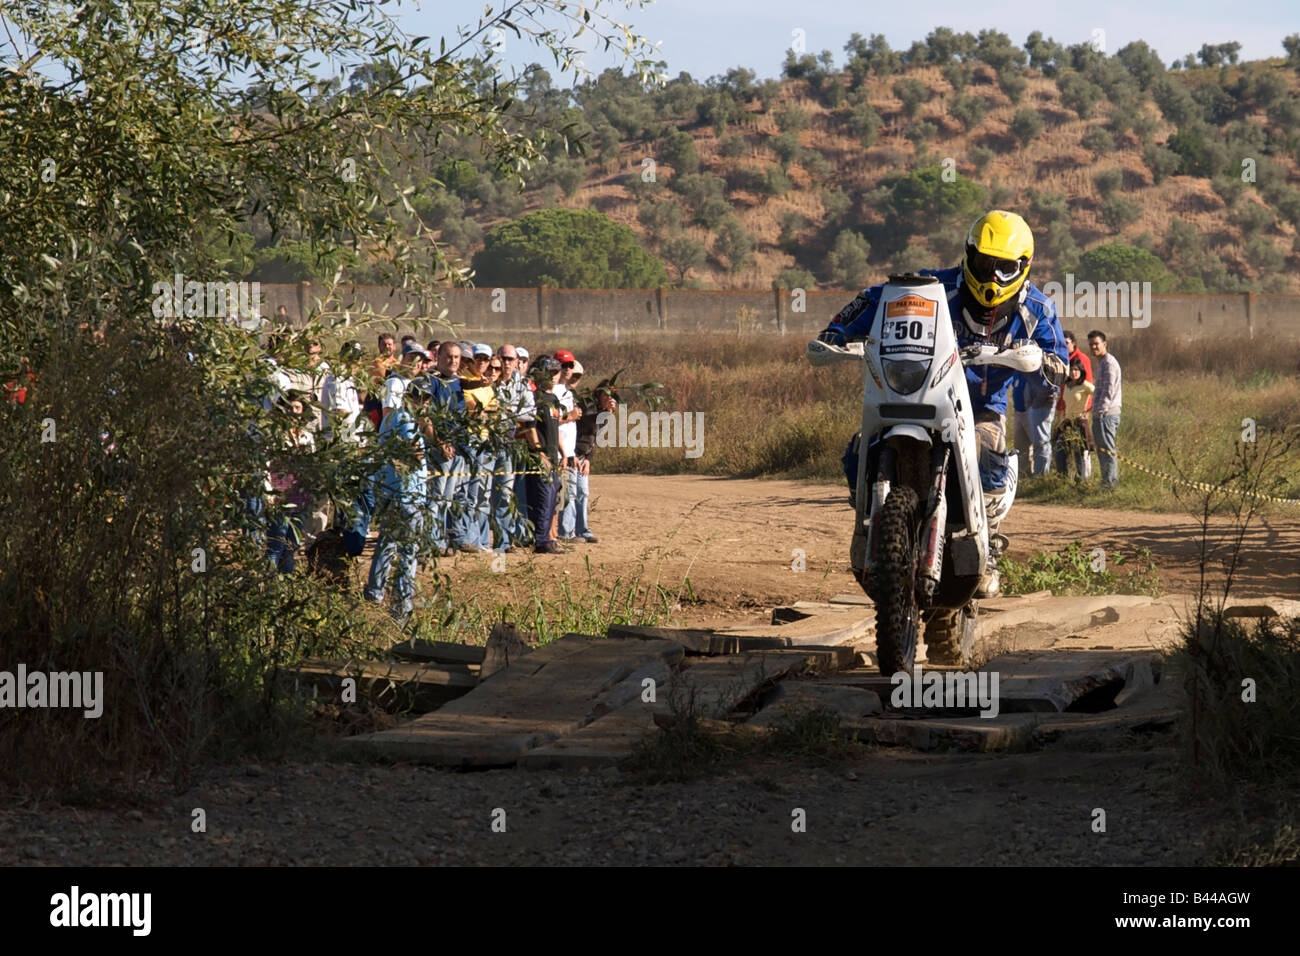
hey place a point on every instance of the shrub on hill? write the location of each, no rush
(566, 248)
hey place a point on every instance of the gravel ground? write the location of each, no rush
(885, 807)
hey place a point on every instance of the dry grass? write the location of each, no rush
(768, 413)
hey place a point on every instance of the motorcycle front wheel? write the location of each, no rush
(898, 618)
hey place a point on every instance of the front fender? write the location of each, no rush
(908, 431)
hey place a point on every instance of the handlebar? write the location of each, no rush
(1025, 357)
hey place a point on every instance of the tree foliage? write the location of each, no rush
(1120, 262)
(568, 249)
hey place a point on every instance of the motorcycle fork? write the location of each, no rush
(933, 529)
(886, 467)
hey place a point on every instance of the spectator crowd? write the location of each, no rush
(461, 447)
(1054, 427)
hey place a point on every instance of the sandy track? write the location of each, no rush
(737, 540)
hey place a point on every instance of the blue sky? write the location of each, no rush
(706, 37)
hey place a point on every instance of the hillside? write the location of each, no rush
(838, 174)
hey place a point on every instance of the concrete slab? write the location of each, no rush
(539, 698)
(1050, 681)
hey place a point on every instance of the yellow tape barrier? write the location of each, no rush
(1199, 485)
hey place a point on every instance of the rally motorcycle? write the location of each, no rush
(921, 533)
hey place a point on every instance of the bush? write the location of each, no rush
(1118, 262)
(1230, 189)
(792, 223)
(1059, 245)
(981, 157)
(1107, 181)
(819, 168)
(1201, 151)
(713, 212)
(1176, 104)
(836, 203)
(847, 260)
(794, 277)
(1120, 211)
(1264, 255)
(1252, 218)
(864, 123)
(678, 151)
(967, 110)
(1026, 124)
(734, 244)
(567, 248)
(1078, 93)
(791, 119)
(786, 148)
(775, 182)
(957, 75)
(732, 146)
(1012, 83)
(912, 92)
(1048, 207)
(1161, 162)
(682, 253)
(660, 218)
(717, 109)
(996, 49)
(922, 132)
(696, 188)
(1229, 743)
(1098, 142)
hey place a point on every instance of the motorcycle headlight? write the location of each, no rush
(905, 376)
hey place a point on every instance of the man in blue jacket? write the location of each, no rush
(992, 302)
(401, 493)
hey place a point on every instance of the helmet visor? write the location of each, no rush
(988, 268)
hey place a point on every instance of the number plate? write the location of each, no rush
(909, 326)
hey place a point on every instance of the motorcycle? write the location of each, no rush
(921, 535)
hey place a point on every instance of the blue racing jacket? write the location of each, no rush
(988, 383)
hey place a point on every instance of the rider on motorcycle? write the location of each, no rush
(992, 302)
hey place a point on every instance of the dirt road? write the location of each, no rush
(736, 541)
(739, 540)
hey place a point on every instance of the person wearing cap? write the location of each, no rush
(447, 459)
(401, 496)
(524, 359)
(474, 532)
(400, 376)
(573, 518)
(509, 497)
(543, 438)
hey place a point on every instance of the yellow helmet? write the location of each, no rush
(999, 248)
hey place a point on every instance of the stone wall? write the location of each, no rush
(583, 314)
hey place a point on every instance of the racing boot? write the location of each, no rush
(991, 583)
